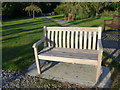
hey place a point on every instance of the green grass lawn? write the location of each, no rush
(18, 36)
(87, 22)
(91, 22)
(60, 17)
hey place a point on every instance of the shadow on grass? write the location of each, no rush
(26, 23)
(17, 58)
(14, 58)
(84, 20)
(17, 31)
(18, 55)
(58, 17)
(16, 19)
(17, 51)
(14, 37)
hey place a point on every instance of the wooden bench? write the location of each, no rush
(115, 23)
(80, 45)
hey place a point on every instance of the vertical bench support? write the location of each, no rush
(37, 60)
(100, 51)
(45, 29)
(98, 67)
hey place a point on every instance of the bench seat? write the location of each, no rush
(79, 56)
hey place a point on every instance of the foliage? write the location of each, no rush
(65, 8)
(79, 9)
(15, 9)
(33, 8)
(97, 6)
(85, 9)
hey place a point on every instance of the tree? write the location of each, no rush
(32, 9)
(75, 8)
(97, 7)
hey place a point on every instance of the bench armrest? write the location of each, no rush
(100, 47)
(38, 42)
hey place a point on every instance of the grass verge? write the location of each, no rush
(18, 36)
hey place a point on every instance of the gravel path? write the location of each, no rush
(18, 79)
(62, 22)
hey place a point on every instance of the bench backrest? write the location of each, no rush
(73, 37)
(116, 20)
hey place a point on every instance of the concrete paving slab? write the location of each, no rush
(32, 70)
(83, 75)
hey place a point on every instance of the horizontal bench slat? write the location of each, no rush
(71, 50)
(69, 60)
(90, 29)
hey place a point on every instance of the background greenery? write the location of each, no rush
(86, 9)
(79, 9)
(12, 10)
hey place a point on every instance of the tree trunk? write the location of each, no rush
(97, 9)
(96, 13)
(29, 13)
(33, 14)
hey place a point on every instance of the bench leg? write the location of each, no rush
(98, 67)
(104, 28)
(37, 61)
(38, 66)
